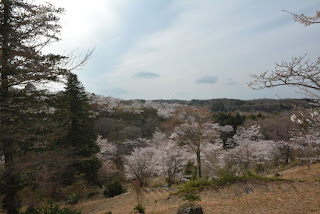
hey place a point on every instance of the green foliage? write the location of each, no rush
(50, 208)
(191, 196)
(90, 169)
(195, 185)
(230, 105)
(79, 122)
(122, 125)
(113, 188)
(225, 178)
(139, 208)
(256, 117)
(74, 114)
(260, 168)
(73, 198)
(229, 119)
(217, 106)
(191, 169)
(262, 105)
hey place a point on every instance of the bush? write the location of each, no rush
(73, 198)
(190, 208)
(139, 208)
(113, 188)
(199, 184)
(90, 169)
(50, 208)
(226, 177)
(260, 168)
(191, 169)
(191, 196)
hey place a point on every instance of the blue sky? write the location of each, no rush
(185, 49)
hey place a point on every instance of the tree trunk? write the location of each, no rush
(309, 164)
(199, 163)
(10, 180)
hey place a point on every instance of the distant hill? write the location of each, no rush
(229, 105)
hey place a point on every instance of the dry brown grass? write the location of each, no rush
(276, 197)
(302, 173)
(267, 197)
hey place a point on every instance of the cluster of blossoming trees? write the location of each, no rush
(192, 136)
(109, 105)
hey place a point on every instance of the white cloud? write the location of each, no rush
(209, 39)
(228, 40)
(84, 22)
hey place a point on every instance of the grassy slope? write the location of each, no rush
(267, 197)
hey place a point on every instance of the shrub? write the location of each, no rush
(226, 177)
(191, 196)
(199, 184)
(260, 168)
(50, 208)
(189, 190)
(139, 208)
(73, 198)
(113, 188)
(191, 169)
(190, 208)
(90, 169)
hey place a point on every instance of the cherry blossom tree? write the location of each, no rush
(107, 172)
(108, 150)
(170, 159)
(251, 133)
(308, 117)
(109, 156)
(306, 20)
(306, 145)
(195, 130)
(103, 104)
(212, 158)
(161, 156)
(140, 165)
(300, 72)
(251, 149)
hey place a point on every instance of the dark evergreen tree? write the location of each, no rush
(26, 28)
(79, 125)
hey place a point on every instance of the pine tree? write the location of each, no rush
(80, 135)
(25, 29)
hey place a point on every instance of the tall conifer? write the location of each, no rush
(80, 135)
(25, 29)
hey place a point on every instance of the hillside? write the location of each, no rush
(298, 196)
(229, 105)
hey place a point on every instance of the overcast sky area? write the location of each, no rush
(185, 49)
